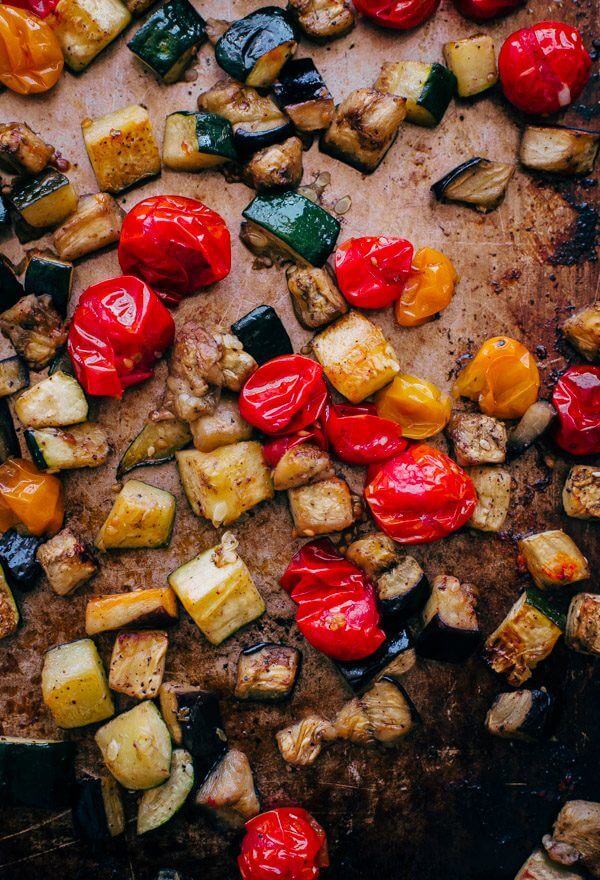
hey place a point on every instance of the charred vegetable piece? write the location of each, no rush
(11, 287)
(477, 439)
(62, 364)
(395, 656)
(583, 624)
(18, 558)
(85, 27)
(553, 559)
(254, 49)
(95, 224)
(9, 442)
(194, 721)
(315, 296)
(35, 329)
(74, 685)
(428, 88)
(304, 96)
(169, 39)
(300, 465)
(374, 553)
(530, 428)
(384, 714)
(160, 804)
(364, 127)
(323, 507)
(9, 613)
(97, 809)
(276, 167)
(492, 485)
(56, 401)
(267, 672)
(142, 516)
(403, 588)
(560, 150)
(262, 334)
(36, 772)
(137, 664)
(540, 867)
(581, 493)
(47, 274)
(224, 427)
(67, 562)
(582, 330)
(473, 63)
(450, 629)
(228, 794)
(121, 148)
(4, 213)
(250, 138)
(45, 200)
(575, 839)
(156, 443)
(136, 747)
(194, 141)
(14, 375)
(479, 183)
(520, 715)
(153, 607)
(323, 20)
(22, 150)
(301, 743)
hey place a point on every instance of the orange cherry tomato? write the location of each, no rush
(30, 498)
(31, 59)
(503, 377)
(428, 290)
(419, 406)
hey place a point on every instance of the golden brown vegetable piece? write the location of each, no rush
(540, 867)
(74, 685)
(315, 296)
(583, 623)
(492, 485)
(575, 839)
(221, 428)
(137, 664)
(95, 224)
(559, 149)
(121, 147)
(553, 559)
(266, 672)
(228, 792)
(323, 20)
(35, 329)
(153, 607)
(300, 465)
(300, 744)
(582, 330)
(384, 714)
(22, 150)
(67, 562)
(323, 507)
(374, 553)
(275, 167)
(581, 493)
(477, 439)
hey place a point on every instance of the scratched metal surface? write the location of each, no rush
(452, 802)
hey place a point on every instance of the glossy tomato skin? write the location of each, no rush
(420, 496)
(371, 271)
(320, 564)
(544, 68)
(41, 8)
(428, 290)
(284, 395)
(30, 497)
(118, 331)
(418, 406)
(401, 15)
(31, 60)
(482, 10)
(359, 436)
(576, 398)
(176, 245)
(285, 843)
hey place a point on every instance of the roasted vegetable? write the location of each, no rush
(479, 183)
(9, 442)
(53, 402)
(531, 426)
(9, 613)
(473, 63)
(581, 493)
(301, 743)
(262, 334)
(561, 150)
(169, 39)
(35, 329)
(160, 804)
(364, 127)
(254, 49)
(300, 465)
(95, 224)
(22, 150)
(194, 141)
(540, 867)
(583, 623)
(275, 167)
(403, 588)
(66, 561)
(323, 20)
(228, 794)
(323, 507)
(97, 808)
(74, 685)
(315, 296)
(45, 273)
(45, 200)
(153, 607)
(267, 672)
(61, 363)
(302, 93)
(553, 559)
(384, 714)
(395, 657)
(194, 721)
(582, 330)
(492, 485)
(14, 375)
(450, 628)
(121, 148)
(217, 591)
(58, 449)
(137, 663)
(428, 88)
(224, 427)
(36, 772)
(156, 443)
(375, 553)
(136, 747)
(575, 839)
(18, 559)
(142, 516)
(4, 215)
(11, 287)
(85, 27)
(477, 439)
(521, 715)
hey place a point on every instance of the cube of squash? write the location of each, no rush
(493, 498)
(136, 747)
(95, 224)
(321, 508)
(85, 27)
(22, 150)
(223, 484)
(583, 623)
(74, 685)
(137, 664)
(581, 493)
(142, 516)
(45, 200)
(66, 561)
(356, 357)
(477, 439)
(472, 60)
(553, 559)
(9, 612)
(582, 330)
(121, 148)
(154, 607)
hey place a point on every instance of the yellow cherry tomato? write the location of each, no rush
(30, 498)
(502, 377)
(31, 59)
(418, 405)
(428, 290)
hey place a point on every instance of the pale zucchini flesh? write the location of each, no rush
(136, 747)
(160, 804)
(156, 443)
(473, 63)
(45, 200)
(74, 685)
(85, 27)
(61, 449)
(121, 148)
(54, 402)
(142, 516)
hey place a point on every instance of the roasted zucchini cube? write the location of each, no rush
(323, 507)
(56, 401)
(224, 427)
(493, 498)
(254, 49)
(194, 720)
(315, 297)
(228, 794)
(583, 623)
(266, 672)
(323, 20)
(450, 628)
(553, 559)
(582, 330)
(142, 516)
(74, 685)
(95, 224)
(121, 147)
(581, 493)
(9, 613)
(85, 27)
(217, 591)
(137, 664)
(160, 804)
(522, 715)
(364, 127)
(356, 357)
(477, 183)
(61, 449)
(66, 561)
(262, 334)
(45, 200)
(300, 465)
(561, 150)
(275, 167)
(427, 87)
(97, 808)
(136, 747)
(301, 743)
(14, 375)
(306, 99)
(169, 39)
(45, 273)
(477, 439)
(22, 150)
(139, 608)
(384, 714)
(539, 866)
(223, 484)
(473, 63)
(194, 141)
(156, 442)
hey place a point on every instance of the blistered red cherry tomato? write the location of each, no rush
(399, 15)
(372, 271)
(359, 436)
(41, 8)
(284, 395)
(576, 399)
(274, 451)
(543, 68)
(420, 496)
(177, 245)
(481, 10)
(320, 564)
(119, 330)
(283, 844)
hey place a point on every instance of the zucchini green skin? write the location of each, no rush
(172, 436)
(9, 442)
(214, 134)
(251, 37)
(36, 773)
(305, 227)
(11, 287)
(50, 276)
(170, 33)
(32, 189)
(539, 601)
(62, 364)
(262, 334)
(160, 804)
(14, 375)
(438, 91)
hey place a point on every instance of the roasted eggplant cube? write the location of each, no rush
(217, 591)
(148, 608)
(356, 357)
(58, 449)
(142, 516)
(95, 224)
(477, 439)
(276, 167)
(492, 485)
(523, 715)
(581, 493)
(403, 589)
(160, 804)
(300, 465)
(45, 200)
(56, 401)
(553, 559)
(582, 330)
(301, 743)
(364, 127)
(14, 375)
(250, 138)
(169, 39)
(97, 810)
(194, 141)
(47, 274)
(35, 329)
(254, 49)
(473, 63)
(121, 148)
(74, 685)
(22, 150)
(478, 183)
(395, 656)
(136, 747)
(583, 624)
(533, 423)
(539, 866)
(137, 664)
(224, 427)
(292, 226)
(323, 507)
(323, 20)
(9, 612)
(11, 287)
(228, 794)
(450, 628)
(9, 442)
(223, 484)
(560, 150)
(4, 213)
(315, 296)
(384, 714)
(302, 93)
(575, 836)
(375, 553)
(36, 772)
(85, 27)
(194, 720)
(18, 559)
(267, 672)
(66, 561)
(428, 88)
(262, 334)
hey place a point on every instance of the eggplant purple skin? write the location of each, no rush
(540, 716)
(440, 186)
(202, 731)
(299, 81)
(438, 641)
(11, 289)
(9, 442)
(402, 607)
(262, 334)
(248, 142)
(88, 813)
(358, 673)
(416, 718)
(4, 214)
(18, 559)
